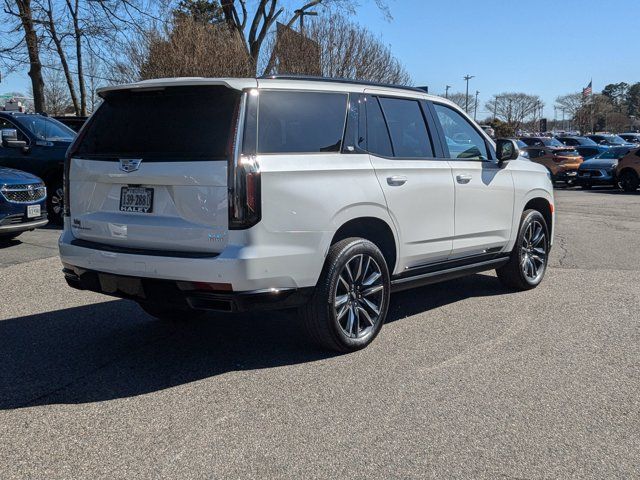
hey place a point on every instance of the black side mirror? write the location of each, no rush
(506, 150)
(10, 139)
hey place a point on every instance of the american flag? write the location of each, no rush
(588, 90)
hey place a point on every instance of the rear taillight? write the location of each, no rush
(71, 152)
(244, 171)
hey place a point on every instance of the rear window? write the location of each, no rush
(189, 123)
(301, 122)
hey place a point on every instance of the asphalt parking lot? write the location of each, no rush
(466, 379)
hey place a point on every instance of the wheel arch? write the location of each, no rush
(543, 206)
(375, 230)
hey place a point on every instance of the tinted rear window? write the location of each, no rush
(408, 131)
(301, 122)
(172, 123)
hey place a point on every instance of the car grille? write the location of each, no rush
(26, 193)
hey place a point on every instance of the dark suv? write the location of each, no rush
(37, 144)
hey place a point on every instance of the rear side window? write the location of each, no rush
(463, 141)
(301, 122)
(188, 123)
(378, 141)
(408, 130)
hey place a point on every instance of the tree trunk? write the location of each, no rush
(77, 33)
(31, 39)
(63, 59)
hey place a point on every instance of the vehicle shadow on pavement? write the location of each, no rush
(113, 350)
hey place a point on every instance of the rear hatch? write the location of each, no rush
(567, 157)
(150, 169)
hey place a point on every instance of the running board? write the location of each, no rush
(419, 280)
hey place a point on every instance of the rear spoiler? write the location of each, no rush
(161, 83)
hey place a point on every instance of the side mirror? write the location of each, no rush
(506, 150)
(10, 139)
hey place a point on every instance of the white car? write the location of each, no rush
(197, 194)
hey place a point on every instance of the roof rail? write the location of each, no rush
(312, 78)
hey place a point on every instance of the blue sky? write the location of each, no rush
(542, 47)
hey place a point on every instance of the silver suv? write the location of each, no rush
(196, 194)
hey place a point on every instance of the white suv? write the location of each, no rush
(195, 194)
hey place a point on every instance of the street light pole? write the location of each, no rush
(475, 106)
(446, 91)
(466, 78)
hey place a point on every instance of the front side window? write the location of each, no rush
(463, 141)
(301, 122)
(6, 124)
(408, 130)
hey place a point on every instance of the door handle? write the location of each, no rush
(463, 178)
(396, 180)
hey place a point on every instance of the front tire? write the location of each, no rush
(528, 260)
(55, 203)
(350, 301)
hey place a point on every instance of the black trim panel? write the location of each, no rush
(448, 264)
(168, 293)
(440, 275)
(103, 247)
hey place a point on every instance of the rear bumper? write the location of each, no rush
(259, 266)
(181, 294)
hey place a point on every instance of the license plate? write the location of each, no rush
(33, 211)
(136, 199)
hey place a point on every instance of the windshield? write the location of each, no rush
(45, 128)
(587, 142)
(614, 153)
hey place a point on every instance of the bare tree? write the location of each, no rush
(460, 99)
(26, 31)
(56, 93)
(191, 48)
(570, 103)
(50, 21)
(264, 16)
(335, 47)
(513, 107)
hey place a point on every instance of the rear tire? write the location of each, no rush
(350, 301)
(629, 181)
(169, 313)
(528, 260)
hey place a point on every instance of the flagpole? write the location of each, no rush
(593, 128)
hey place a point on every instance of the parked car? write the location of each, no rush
(610, 140)
(74, 122)
(586, 147)
(37, 144)
(562, 162)
(22, 203)
(601, 170)
(291, 192)
(628, 171)
(631, 137)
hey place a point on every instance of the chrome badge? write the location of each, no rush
(130, 164)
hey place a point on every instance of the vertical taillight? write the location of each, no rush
(244, 171)
(71, 152)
